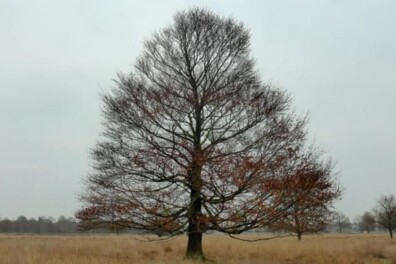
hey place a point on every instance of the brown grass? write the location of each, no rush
(346, 249)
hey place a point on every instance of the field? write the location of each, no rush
(348, 249)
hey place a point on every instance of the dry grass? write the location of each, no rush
(124, 249)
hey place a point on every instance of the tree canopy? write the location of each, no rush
(193, 137)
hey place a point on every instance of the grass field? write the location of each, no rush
(348, 249)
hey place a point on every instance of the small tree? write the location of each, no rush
(358, 224)
(341, 221)
(386, 213)
(192, 137)
(368, 222)
(310, 191)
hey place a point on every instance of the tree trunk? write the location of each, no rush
(195, 225)
(194, 245)
(390, 233)
(299, 236)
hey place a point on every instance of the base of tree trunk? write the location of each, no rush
(200, 258)
(299, 237)
(194, 247)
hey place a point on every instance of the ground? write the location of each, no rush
(100, 249)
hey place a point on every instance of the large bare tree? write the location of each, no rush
(192, 137)
(386, 213)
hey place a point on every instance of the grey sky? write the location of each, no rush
(336, 58)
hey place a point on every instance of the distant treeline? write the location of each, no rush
(49, 225)
(42, 225)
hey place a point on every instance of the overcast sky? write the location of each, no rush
(336, 58)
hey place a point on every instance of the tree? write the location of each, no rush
(45, 224)
(21, 224)
(311, 192)
(358, 224)
(367, 222)
(341, 221)
(386, 213)
(65, 225)
(7, 226)
(192, 137)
